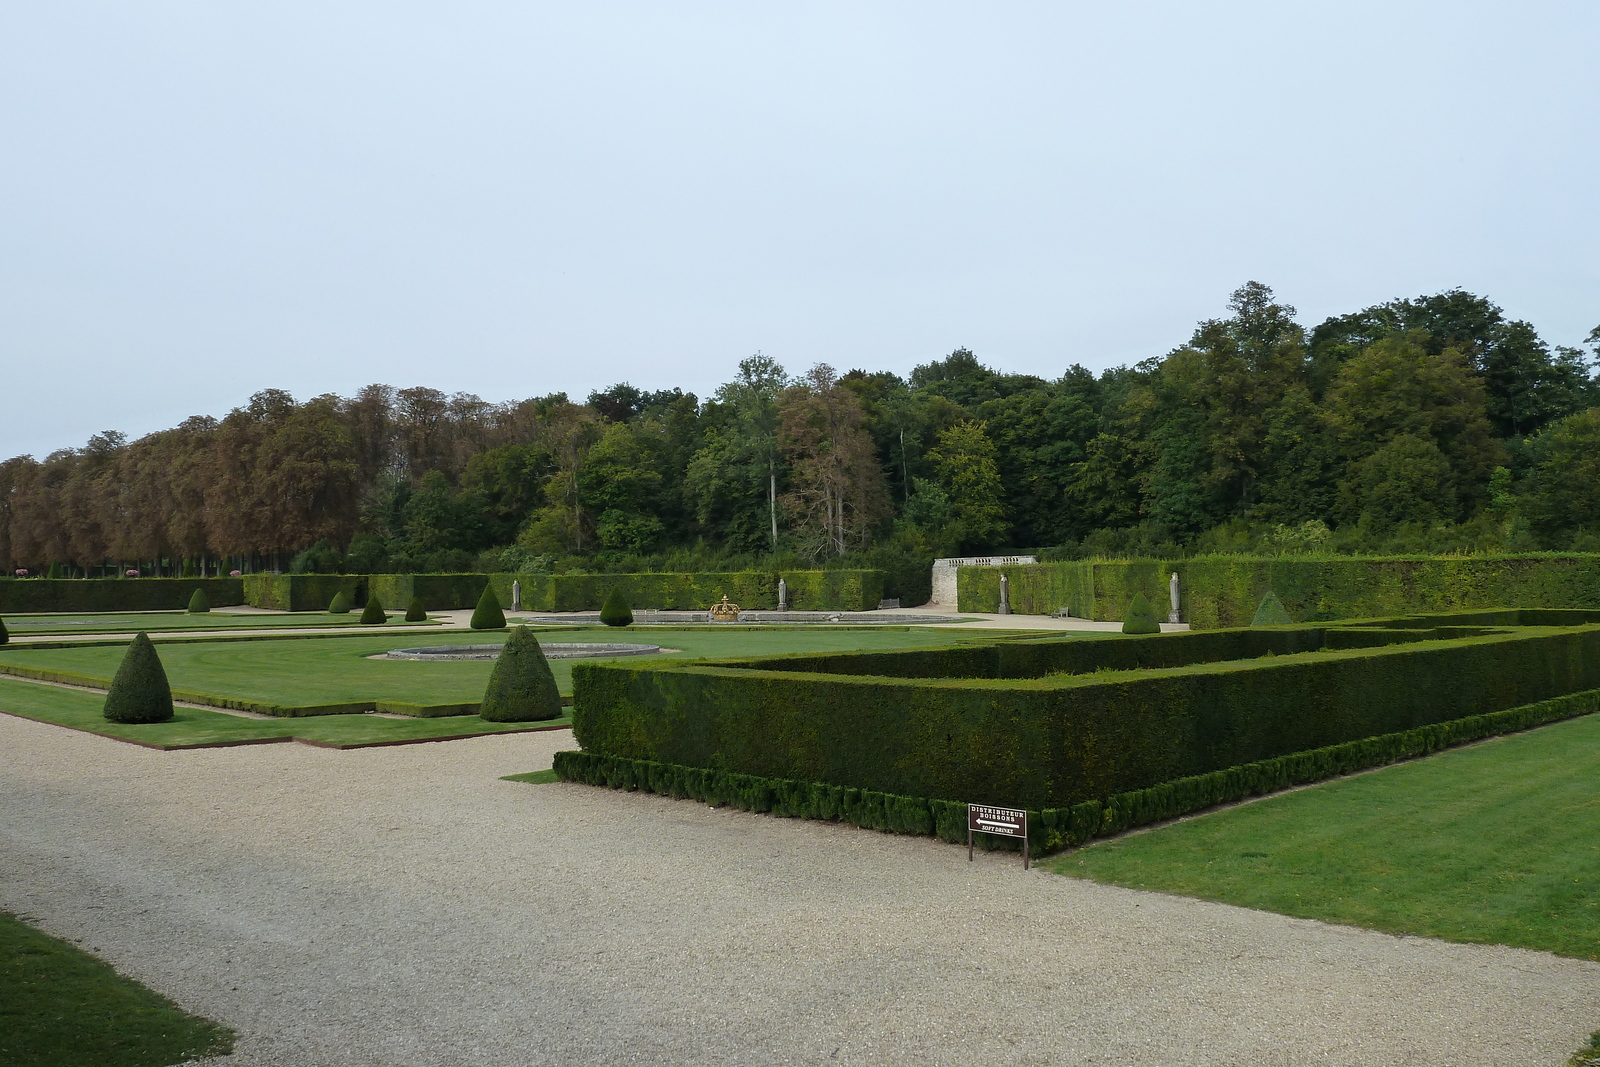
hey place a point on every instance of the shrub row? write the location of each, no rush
(302, 592)
(841, 590)
(1061, 739)
(114, 594)
(1050, 829)
(1223, 591)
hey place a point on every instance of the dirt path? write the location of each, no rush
(403, 906)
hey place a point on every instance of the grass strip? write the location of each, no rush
(76, 709)
(1496, 843)
(533, 777)
(61, 1007)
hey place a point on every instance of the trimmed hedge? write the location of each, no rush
(1271, 612)
(1045, 724)
(23, 595)
(1224, 591)
(842, 590)
(438, 592)
(1050, 829)
(301, 592)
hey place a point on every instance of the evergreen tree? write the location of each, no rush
(373, 614)
(487, 615)
(340, 604)
(199, 603)
(1141, 617)
(1271, 612)
(616, 611)
(139, 692)
(521, 687)
(415, 612)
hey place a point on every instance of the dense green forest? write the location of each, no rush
(1427, 424)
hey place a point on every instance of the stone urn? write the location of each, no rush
(724, 611)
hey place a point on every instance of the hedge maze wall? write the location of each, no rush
(1057, 722)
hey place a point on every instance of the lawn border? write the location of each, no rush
(280, 740)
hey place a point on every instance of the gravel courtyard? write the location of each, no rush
(403, 906)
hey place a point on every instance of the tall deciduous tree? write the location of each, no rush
(837, 494)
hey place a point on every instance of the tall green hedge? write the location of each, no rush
(438, 592)
(22, 595)
(1050, 829)
(842, 590)
(301, 592)
(1224, 591)
(1054, 733)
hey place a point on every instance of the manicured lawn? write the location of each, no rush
(60, 1007)
(1497, 843)
(80, 709)
(298, 672)
(177, 621)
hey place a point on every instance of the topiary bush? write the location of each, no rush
(1271, 612)
(415, 612)
(139, 692)
(340, 604)
(1141, 617)
(373, 614)
(4, 636)
(487, 615)
(616, 611)
(199, 603)
(521, 688)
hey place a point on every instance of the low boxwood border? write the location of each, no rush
(1052, 829)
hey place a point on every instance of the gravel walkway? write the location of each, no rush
(402, 906)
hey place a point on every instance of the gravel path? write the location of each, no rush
(402, 906)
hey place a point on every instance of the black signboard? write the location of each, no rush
(1004, 822)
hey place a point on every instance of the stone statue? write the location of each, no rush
(1005, 595)
(516, 595)
(1172, 589)
(783, 595)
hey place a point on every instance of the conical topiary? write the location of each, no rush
(616, 610)
(1141, 617)
(372, 614)
(340, 604)
(139, 693)
(415, 612)
(4, 636)
(487, 615)
(1271, 612)
(521, 688)
(199, 603)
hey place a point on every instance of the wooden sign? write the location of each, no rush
(1003, 822)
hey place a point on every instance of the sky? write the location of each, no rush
(199, 200)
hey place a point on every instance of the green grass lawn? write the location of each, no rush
(81, 710)
(177, 621)
(1497, 843)
(61, 1007)
(298, 672)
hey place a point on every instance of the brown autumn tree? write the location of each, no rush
(837, 490)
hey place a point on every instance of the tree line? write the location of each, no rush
(1419, 425)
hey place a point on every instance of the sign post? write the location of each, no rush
(1002, 822)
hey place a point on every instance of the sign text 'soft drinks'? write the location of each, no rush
(1005, 822)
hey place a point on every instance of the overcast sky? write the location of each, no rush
(201, 200)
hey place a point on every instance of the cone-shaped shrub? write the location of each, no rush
(4, 636)
(373, 614)
(1271, 612)
(415, 612)
(1141, 617)
(521, 689)
(616, 610)
(199, 603)
(487, 615)
(340, 604)
(139, 692)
